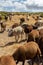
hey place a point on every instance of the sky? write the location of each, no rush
(21, 5)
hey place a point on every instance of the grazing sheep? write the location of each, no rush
(7, 60)
(27, 51)
(17, 32)
(33, 36)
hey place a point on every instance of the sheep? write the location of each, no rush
(10, 32)
(22, 20)
(10, 17)
(40, 28)
(27, 17)
(6, 17)
(33, 36)
(27, 51)
(41, 32)
(7, 60)
(27, 28)
(35, 26)
(41, 39)
(16, 32)
(3, 26)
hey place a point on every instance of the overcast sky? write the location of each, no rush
(21, 5)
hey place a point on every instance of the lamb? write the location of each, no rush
(27, 51)
(7, 60)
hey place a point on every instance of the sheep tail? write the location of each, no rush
(39, 52)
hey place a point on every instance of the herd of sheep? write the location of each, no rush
(32, 49)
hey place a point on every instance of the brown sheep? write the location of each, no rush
(3, 26)
(27, 51)
(41, 32)
(27, 29)
(7, 60)
(33, 36)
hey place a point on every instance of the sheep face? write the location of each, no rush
(10, 33)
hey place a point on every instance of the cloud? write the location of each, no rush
(21, 5)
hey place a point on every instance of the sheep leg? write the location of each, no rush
(34, 39)
(32, 61)
(38, 59)
(16, 38)
(23, 62)
(21, 36)
(17, 62)
(26, 36)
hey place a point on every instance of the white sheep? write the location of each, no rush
(17, 32)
